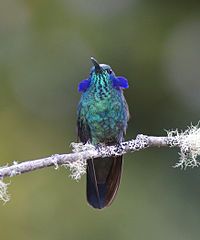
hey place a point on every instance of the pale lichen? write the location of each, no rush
(4, 191)
(77, 168)
(54, 160)
(79, 147)
(189, 144)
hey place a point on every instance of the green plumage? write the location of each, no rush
(104, 109)
(102, 118)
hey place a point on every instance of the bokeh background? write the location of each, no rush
(45, 48)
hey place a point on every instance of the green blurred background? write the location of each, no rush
(45, 48)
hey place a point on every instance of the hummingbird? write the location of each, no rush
(102, 117)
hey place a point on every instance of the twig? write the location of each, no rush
(88, 151)
(187, 141)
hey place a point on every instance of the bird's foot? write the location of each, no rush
(119, 149)
(100, 146)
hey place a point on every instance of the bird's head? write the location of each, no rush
(102, 72)
(100, 68)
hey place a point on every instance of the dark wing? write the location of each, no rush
(84, 136)
(126, 116)
(82, 126)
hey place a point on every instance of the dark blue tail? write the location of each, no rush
(103, 179)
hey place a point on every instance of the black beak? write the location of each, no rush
(96, 65)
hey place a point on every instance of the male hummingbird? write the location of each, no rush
(102, 119)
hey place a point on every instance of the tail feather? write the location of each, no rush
(103, 179)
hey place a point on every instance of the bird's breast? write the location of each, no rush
(105, 116)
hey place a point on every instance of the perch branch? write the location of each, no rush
(88, 151)
(187, 141)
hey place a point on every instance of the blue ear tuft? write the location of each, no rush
(83, 85)
(121, 82)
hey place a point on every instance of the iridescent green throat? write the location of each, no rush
(101, 84)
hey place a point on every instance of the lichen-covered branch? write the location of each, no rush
(187, 141)
(83, 152)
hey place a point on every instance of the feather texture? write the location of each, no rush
(102, 118)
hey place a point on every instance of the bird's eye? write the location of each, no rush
(109, 71)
